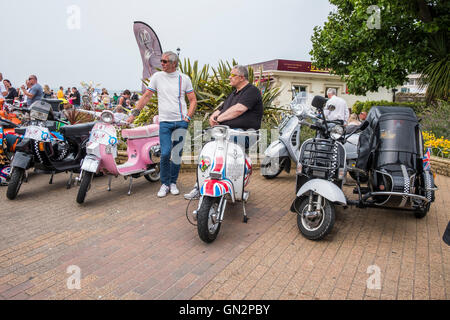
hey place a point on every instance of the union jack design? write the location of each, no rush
(216, 188)
(247, 171)
(426, 160)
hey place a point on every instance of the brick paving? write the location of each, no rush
(142, 247)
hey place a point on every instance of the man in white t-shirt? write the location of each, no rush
(172, 86)
(336, 107)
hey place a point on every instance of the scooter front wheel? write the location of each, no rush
(14, 184)
(206, 227)
(86, 180)
(317, 224)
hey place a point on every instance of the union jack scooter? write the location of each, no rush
(223, 173)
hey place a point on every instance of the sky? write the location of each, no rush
(64, 42)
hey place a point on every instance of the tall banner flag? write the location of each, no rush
(150, 48)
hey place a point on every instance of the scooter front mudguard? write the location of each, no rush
(326, 189)
(22, 160)
(217, 188)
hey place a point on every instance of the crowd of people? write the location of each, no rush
(32, 91)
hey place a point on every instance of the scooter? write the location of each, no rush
(321, 170)
(143, 150)
(45, 149)
(280, 153)
(223, 173)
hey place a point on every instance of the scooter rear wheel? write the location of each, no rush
(84, 186)
(14, 184)
(267, 169)
(207, 230)
(155, 176)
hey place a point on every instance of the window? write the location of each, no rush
(297, 89)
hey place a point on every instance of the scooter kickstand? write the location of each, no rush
(51, 178)
(245, 212)
(69, 183)
(130, 185)
(109, 183)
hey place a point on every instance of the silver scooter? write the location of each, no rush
(280, 153)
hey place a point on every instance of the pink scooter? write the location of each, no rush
(143, 150)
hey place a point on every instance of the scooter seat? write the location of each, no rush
(77, 130)
(151, 130)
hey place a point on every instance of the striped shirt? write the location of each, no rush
(171, 89)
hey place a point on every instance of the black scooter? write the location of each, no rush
(46, 150)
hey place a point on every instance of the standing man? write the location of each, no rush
(76, 99)
(3, 90)
(336, 107)
(60, 93)
(242, 109)
(35, 93)
(172, 86)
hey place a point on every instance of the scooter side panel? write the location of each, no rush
(276, 149)
(325, 188)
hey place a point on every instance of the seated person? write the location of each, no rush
(242, 109)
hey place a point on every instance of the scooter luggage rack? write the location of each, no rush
(315, 159)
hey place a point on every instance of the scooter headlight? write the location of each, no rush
(107, 116)
(218, 132)
(337, 132)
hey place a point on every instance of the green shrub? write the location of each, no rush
(360, 106)
(435, 119)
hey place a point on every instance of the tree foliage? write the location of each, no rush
(369, 53)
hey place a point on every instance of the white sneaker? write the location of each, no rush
(193, 194)
(173, 189)
(163, 191)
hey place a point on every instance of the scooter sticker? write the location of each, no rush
(112, 141)
(204, 163)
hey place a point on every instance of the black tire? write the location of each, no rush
(325, 223)
(155, 176)
(15, 182)
(206, 231)
(84, 186)
(426, 182)
(267, 166)
(363, 178)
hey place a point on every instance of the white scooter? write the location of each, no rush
(223, 173)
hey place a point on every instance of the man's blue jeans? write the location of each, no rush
(171, 137)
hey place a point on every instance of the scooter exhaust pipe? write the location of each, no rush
(148, 172)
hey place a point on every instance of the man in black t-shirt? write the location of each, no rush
(243, 108)
(76, 99)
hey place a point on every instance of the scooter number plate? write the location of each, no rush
(90, 165)
(37, 133)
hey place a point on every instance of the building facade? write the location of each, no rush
(295, 76)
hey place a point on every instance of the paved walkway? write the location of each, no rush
(142, 247)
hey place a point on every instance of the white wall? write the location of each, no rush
(317, 84)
